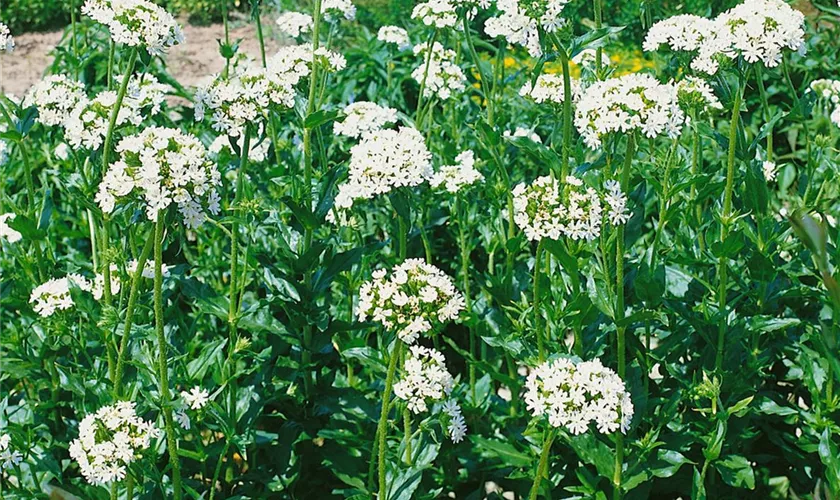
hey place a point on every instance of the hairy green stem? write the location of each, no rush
(464, 248)
(619, 309)
(696, 157)
(567, 115)
(542, 468)
(129, 313)
(382, 427)
(407, 432)
(163, 375)
(724, 227)
(599, 52)
(537, 316)
(765, 107)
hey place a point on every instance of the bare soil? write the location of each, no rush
(189, 62)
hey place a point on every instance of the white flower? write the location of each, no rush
(294, 24)
(109, 440)
(574, 395)
(161, 166)
(458, 176)
(437, 13)
(55, 97)
(54, 295)
(87, 123)
(523, 132)
(98, 284)
(394, 35)
(7, 42)
(628, 103)
(136, 23)
(197, 398)
(684, 32)
(396, 302)
(424, 379)
(549, 88)
(695, 94)
(768, 168)
(383, 160)
(443, 78)
(457, 427)
(6, 232)
(617, 201)
(148, 269)
(520, 21)
(333, 10)
(8, 457)
(540, 212)
(829, 91)
(362, 117)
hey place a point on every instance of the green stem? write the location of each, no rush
(663, 202)
(260, 37)
(484, 82)
(805, 127)
(129, 313)
(567, 115)
(163, 376)
(106, 162)
(696, 156)
(619, 309)
(724, 227)
(382, 427)
(542, 468)
(429, 50)
(765, 107)
(465, 276)
(537, 329)
(218, 470)
(227, 36)
(407, 431)
(599, 52)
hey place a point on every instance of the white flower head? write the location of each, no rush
(7, 41)
(520, 21)
(394, 35)
(633, 102)
(9, 457)
(136, 23)
(458, 176)
(444, 78)
(769, 169)
(696, 95)
(384, 160)
(362, 117)
(160, 167)
(334, 10)
(6, 232)
(54, 295)
(574, 395)
(436, 13)
(411, 301)
(55, 97)
(294, 24)
(550, 88)
(197, 398)
(424, 379)
(109, 441)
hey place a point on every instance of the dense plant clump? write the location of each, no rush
(468, 254)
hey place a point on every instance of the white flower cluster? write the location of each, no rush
(540, 212)
(695, 94)
(631, 102)
(573, 395)
(757, 30)
(521, 20)
(444, 77)
(425, 379)
(54, 295)
(829, 90)
(615, 198)
(166, 166)
(414, 297)
(109, 440)
(87, 123)
(523, 132)
(136, 23)
(244, 98)
(334, 10)
(55, 97)
(363, 117)
(148, 269)
(7, 41)
(294, 24)
(458, 176)
(437, 13)
(6, 232)
(257, 152)
(395, 35)
(196, 399)
(385, 159)
(550, 88)
(8, 457)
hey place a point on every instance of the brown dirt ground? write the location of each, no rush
(196, 58)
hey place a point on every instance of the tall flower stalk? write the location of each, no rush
(726, 214)
(163, 376)
(542, 468)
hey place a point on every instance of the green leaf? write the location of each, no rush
(597, 292)
(319, 118)
(303, 215)
(593, 39)
(715, 443)
(46, 211)
(698, 490)
(668, 463)
(593, 451)
(736, 471)
(830, 458)
(506, 452)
